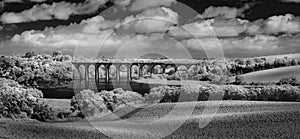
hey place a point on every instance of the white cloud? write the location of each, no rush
(144, 32)
(38, 0)
(150, 21)
(89, 32)
(11, 1)
(259, 43)
(282, 24)
(295, 1)
(122, 2)
(224, 12)
(20, 1)
(286, 24)
(209, 28)
(138, 5)
(62, 10)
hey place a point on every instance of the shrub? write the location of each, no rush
(289, 80)
(234, 92)
(239, 80)
(29, 54)
(89, 103)
(119, 98)
(279, 93)
(17, 101)
(231, 92)
(129, 97)
(183, 93)
(154, 96)
(162, 94)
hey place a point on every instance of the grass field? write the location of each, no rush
(272, 75)
(234, 119)
(169, 82)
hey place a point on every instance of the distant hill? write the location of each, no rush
(272, 75)
(292, 56)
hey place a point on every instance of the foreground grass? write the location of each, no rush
(58, 104)
(234, 119)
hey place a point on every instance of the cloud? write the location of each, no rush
(150, 21)
(282, 24)
(295, 1)
(146, 32)
(248, 46)
(21, 1)
(38, 0)
(209, 28)
(95, 30)
(258, 43)
(12, 1)
(275, 25)
(224, 12)
(62, 10)
(138, 5)
(90, 31)
(92, 36)
(122, 2)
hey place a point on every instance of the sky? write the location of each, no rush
(133, 28)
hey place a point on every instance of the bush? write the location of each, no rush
(205, 92)
(239, 80)
(183, 93)
(17, 101)
(29, 54)
(279, 93)
(128, 97)
(156, 94)
(119, 98)
(289, 80)
(234, 92)
(90, 103)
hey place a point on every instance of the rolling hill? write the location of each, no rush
(272, 75)
(234, 119)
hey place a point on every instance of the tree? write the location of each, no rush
(239, 80)
(294, 62)
(56, 53)
(29, 54)
(289, 80)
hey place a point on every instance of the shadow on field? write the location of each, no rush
(122, 114)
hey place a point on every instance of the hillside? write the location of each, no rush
(272, 75)
(234, 119)
(292, 56)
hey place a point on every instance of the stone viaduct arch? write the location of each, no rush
(107, 69)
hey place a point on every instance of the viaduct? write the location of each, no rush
(129, 65)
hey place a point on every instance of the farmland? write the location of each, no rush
(234, 119)
(272, 75)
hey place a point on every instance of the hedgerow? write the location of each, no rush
(184, 93)
(235, 92)
(226, 92)
(276, 93)
(17, 101)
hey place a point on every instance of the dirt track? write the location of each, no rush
(235, 119)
